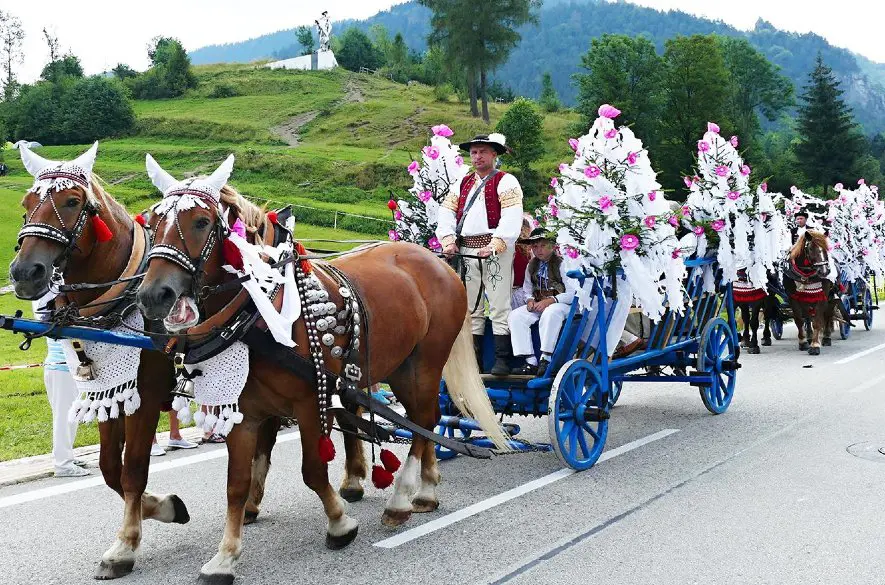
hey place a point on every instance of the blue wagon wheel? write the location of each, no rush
(867, 310)
(845, 328)
(717, 355)
(577, 415)
(615, 393)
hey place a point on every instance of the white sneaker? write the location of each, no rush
(157, 450)
(71, 470)
(181, 443)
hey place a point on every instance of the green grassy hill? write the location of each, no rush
(353, 134)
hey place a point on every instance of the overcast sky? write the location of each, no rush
(105, 32)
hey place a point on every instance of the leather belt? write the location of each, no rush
(476, 242)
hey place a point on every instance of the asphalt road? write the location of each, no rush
(765, 493)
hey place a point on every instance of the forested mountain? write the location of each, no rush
(563, 34)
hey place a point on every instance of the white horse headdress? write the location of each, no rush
(53, 175)
(184, 195)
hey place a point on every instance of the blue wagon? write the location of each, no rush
(698, 346)
(856, 297)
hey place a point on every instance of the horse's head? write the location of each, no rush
(58, 220)
(811, 252)
(190, 225)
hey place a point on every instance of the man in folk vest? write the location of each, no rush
(483, 217)
(550, 294)
(801, 218)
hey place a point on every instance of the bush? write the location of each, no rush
(355, 50)
(522, 124)
(442, 92)
(223, 90)
(170, 75)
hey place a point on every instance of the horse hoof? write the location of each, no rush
(339, 542)
(394, 518)
(108, 571)
(754, 350)
(216, 579)
(351, 494)
(181, 514)
(250, 517)
(813, 351)
(827, 342)
(803, 346)
(766, 342)
(423, 505)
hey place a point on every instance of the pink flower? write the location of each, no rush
(414, 168)
(631, 158)
(676, 253)
(551, 198)
(698, 230)
(629, 242)
(734, 141)
(554, 211)
(673, 221)
(712, 127)
(718, 225)
(442, 130)
(562, 167)
(425, 196)
(605, 202)
(571, 252)
(573, 142)
(686, 211)
(649, 221)
(764, 217)
(239, 228)
(838, 186)
(703, 145)
(793, 189)
(837, 246)
(745, 170)
(652, 195)
(592, 171)
(459, 160)
(432, 152)
(434, 244)
(397, 215)
(687, 181)
(722, 171)
(393, 235)
(609, 111)
(865, 252)
(611, 133)
(764, 187)
(733, 195)
(861, 181)
(554, 182)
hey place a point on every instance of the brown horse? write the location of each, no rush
(415, 329)
(805, 280)
(51, 240)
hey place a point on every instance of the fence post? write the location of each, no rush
(336, 221)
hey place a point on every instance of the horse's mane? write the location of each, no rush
(251, 214)
(817, 238)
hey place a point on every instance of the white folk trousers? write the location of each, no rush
(549, 325)
(496, 282)
(61, 391)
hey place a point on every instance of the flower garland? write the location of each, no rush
(856, 219)
(724, 213)
(442, 170)
(608, 212)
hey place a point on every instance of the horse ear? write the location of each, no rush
(219, 178)
(87, 160)
(160, 178)
(34, 163)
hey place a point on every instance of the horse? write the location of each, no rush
(416, 328)
(752, 301)
(60, 234)
(805, 279)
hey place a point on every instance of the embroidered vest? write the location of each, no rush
(554, 285)
(493, 204)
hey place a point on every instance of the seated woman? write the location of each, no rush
(521, 257)
(550, 293)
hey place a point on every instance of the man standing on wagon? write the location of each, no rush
(483, 218)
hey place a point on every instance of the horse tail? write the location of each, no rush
(467, 390)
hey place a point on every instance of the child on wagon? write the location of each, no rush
(550, 294)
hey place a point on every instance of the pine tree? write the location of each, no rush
(829, 143)
(549, 100)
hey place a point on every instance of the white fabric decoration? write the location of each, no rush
(53, 176)
(218, 389)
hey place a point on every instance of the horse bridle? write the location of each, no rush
(193, 265)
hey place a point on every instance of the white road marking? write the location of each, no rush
(82, 484)
(868, 384)
(482, 506)
(860, 354)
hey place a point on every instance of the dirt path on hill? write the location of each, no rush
(288, 130)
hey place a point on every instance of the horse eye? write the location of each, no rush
(72, 202)
(201, 223)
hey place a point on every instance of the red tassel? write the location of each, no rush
(390, 461)
(102, 231)
(326, 448)
(381, 478)
(231, 254)
(306, 268)
(272, 216)
(140, 220)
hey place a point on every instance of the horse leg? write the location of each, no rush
(799, 319)
(767, 316)
(267, 438)
(817, 328)
(241, 450)
(828, 325)
(745, 320)
(754, 328)
(354, 466)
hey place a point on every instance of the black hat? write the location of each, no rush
(494, 140)
(803, 212)
(537, 235)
